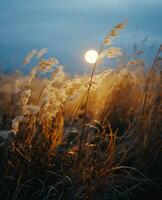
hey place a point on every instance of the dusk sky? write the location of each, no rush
(70, 27)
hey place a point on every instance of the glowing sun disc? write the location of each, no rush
(91, 56)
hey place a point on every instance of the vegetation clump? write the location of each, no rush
(83, 137)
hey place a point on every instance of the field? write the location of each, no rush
(95, 136)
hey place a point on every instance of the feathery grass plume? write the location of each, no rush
(114, 33)
(30, 55)
(45, 66)
(16, 123)
(30, 110)
(121, 25)
(111, 52)
(58, 75)
(41, 52)
(25, 95)
(107, 41)
(136, 63)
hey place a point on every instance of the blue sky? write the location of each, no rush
(70, 27)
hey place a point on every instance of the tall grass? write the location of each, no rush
(80, 137)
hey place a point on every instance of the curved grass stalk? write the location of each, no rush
(136, 170)
(86, 105)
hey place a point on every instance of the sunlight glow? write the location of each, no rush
(91, 56)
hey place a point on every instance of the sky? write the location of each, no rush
(70, 27)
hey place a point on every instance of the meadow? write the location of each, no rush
(94, 136)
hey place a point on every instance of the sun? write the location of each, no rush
(91, 56)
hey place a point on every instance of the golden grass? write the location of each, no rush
(81, 137)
